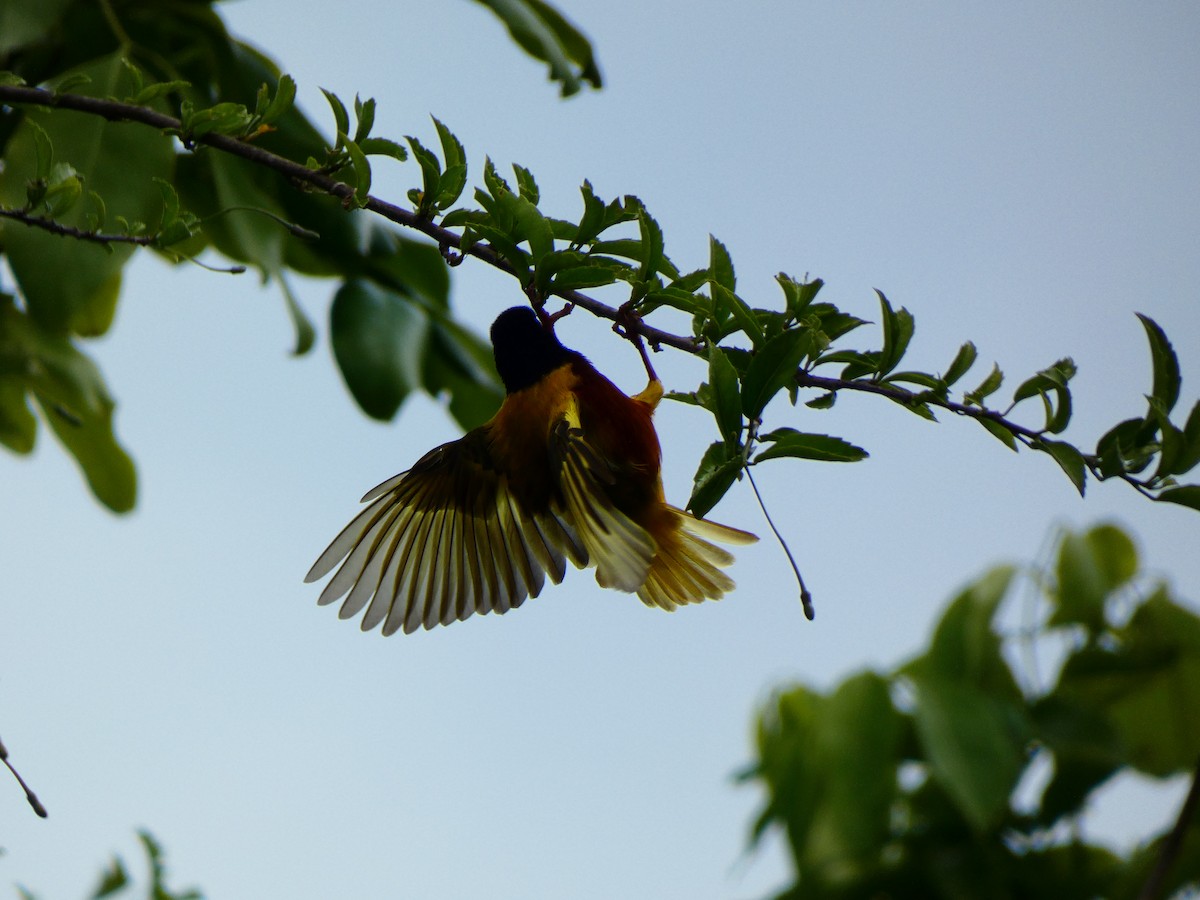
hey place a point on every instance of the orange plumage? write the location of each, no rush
(567, 469)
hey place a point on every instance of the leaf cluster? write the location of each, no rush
(116, 186)
(906, 783)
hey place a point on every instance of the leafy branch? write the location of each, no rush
(777, 350)
(80, 234)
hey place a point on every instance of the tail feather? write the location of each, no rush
(687, 565)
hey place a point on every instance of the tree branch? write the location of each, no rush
(1174, 842)
(448, 242)
(96, 237)
(116, 111)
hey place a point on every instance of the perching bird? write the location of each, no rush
(567, 469)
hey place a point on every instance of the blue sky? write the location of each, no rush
(1021, 176)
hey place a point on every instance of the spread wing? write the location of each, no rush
(622, 550)
(442, 541)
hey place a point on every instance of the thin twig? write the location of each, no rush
(805, 596)
(1174, 842)
(29, 795)
(80, 234)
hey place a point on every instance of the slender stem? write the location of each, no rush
(29, 794)
(115, 26)
(1174, 842)
(805, 596)
(97, 237)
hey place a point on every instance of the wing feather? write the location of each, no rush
(442, 541)
(621, 549)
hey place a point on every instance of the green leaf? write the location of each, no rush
(773, 368)
(18, 424)
(733, 305)
(652, 245)
(798, 295)
(88, 435)
(454, 177)
(408, 267)
(376, 146)
(362, 170)
(791, 443)
(1114, 554)
(727, 406)
(28, 22)
(571, 270)
(898, 327)
(986, 388)
(379, 340)
(503, 244)
(963, 360)
(364, 114)
(1089, 568)
(530, 225)
(221, 118)
(1087, 752)
(147, 95)
(545, 34)
(1188, 456)
(965, 646)
(718, 470)
(676, 298)
(114, 879)
(1187, 495)
(1000, 432)
(526, 184)
(1128, 446)
(341, 118)
(830, 768)
(43, 150)
(592, 222)
(281, 103)
(431, 173)
(63, 191)
(720, 265)
(1143, 681)
(975, 744)
(306, 334)
(1052, 380)
(1069, 458)
(1166, 364)
(970, 714)
(460, 363)
(69, 286)
(495, 184)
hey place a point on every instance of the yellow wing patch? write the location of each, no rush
(687, 567)
(620, 548)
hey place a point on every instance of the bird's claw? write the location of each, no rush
(628, 324)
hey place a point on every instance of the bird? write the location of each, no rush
(568, 469)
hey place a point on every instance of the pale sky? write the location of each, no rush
(1021, 176)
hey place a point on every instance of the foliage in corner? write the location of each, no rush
(116, 882)
(905, 784)
(114, 188)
